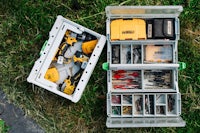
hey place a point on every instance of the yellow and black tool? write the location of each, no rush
(52, 75)
(89, 46)
(69, 39)
(68, 87)
(69, 84)
(80, 57)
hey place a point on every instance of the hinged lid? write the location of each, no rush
(143, 11)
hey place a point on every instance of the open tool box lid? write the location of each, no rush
(114, 12)
(143, 12)
(49, 50)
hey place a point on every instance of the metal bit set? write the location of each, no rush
(157, 79)
(145, 79)
(122, 79)
(126, 54)
(137, 105)
(149, 104)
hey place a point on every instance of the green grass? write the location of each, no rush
(24, 26)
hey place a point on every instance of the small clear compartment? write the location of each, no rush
(158, 79)
(116, 99)
(126, 80)
(127, 99)
(158, 53)
(160, 99)
(116, 53)
(161, 110)
(127, 110)
(136, 54)
(116, 110)
(138, 105)
(149, 104)
(126, 54)
(171, 104)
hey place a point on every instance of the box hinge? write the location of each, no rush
(43, 47)
(182, 65)
(105, 66)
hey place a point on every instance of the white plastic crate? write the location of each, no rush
(143, 66)
(66, 65)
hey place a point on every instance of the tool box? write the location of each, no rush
(142, 63)
(67, 59)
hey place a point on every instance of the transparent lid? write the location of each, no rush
(143, 11)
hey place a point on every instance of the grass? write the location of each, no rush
(24, 26)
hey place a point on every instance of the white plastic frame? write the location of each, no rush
(47, 54)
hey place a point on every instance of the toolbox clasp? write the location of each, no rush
(105, 66)
(43, 47)
(182, 65)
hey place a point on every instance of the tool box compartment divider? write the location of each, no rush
(143, 53)
(143, 66)
(153, 104)
(67, 59)
(142, 80)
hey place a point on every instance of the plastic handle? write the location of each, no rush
(182, 65)
(43, 47)
(105, 66)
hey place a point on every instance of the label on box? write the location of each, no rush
(149, 31)
(169, 27)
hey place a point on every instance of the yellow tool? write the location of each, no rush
(63, 49)
(89, 46)
(80, 57)
(68, 87)
(56, 55)
(68, 39)
(134, 29)
(52, 74)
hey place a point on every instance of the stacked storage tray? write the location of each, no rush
(143, 73)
